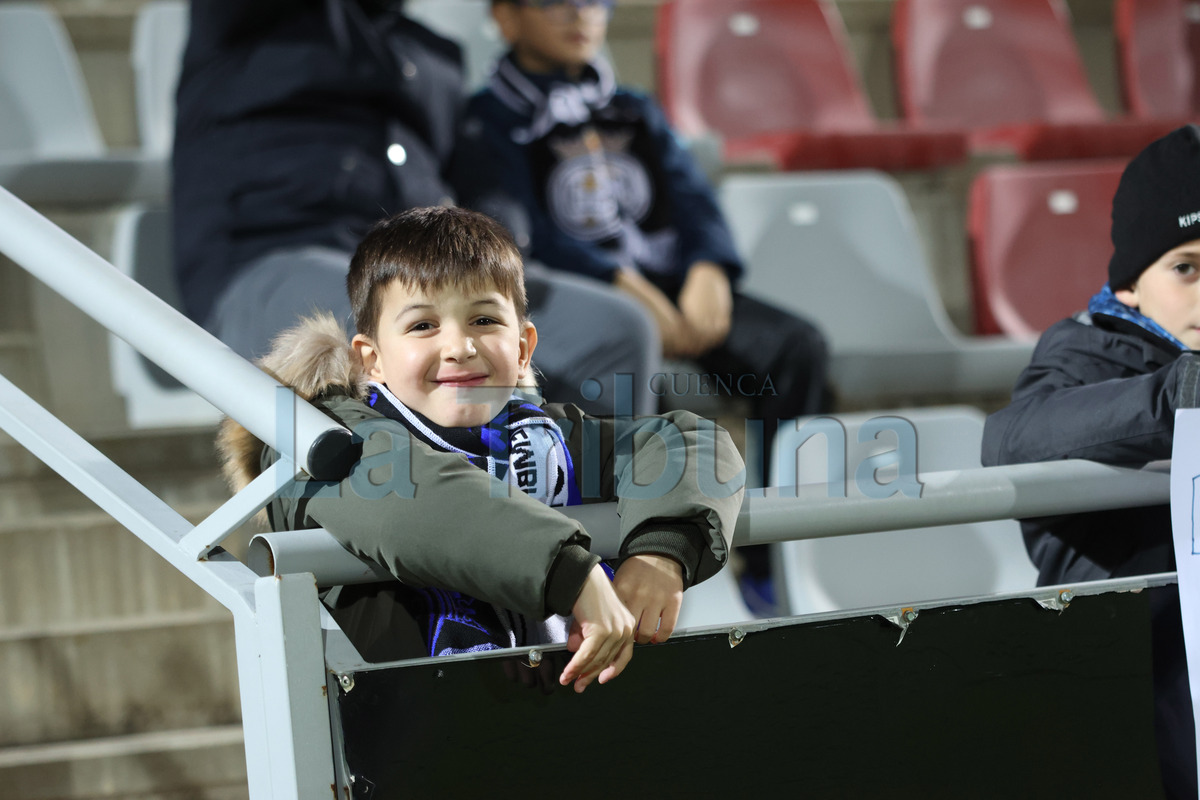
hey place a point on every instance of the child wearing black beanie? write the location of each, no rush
(1104, 385)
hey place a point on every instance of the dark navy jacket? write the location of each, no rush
(1103, 389)
(286, 113)
(641, 151)
(1106, 389)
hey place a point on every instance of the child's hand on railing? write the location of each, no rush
(601, 635)
(651, 587)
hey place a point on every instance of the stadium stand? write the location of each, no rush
(136, 685)
(1040, 242)
(978, 64)
(775, 81)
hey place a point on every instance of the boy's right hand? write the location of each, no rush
(601, 635)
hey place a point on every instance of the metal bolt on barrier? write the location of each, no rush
(910, 615)
(736, 636)
(1066, 596)
(346, 681)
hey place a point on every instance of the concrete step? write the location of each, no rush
(141, 453)
(179, 466)
(196, 764)
(26, 499)
(19, 361)
(110, 678)
(79, 567)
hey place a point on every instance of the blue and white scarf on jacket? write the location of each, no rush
(523, 447)
(568, 103)
(1105, 302)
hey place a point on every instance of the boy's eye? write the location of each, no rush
(486, 321)
(421, 326)
(1184, 268)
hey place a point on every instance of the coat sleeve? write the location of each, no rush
(673, 476)
(433, 519)
(1071, 402)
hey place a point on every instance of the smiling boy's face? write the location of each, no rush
(1168, 292)
(453, 355)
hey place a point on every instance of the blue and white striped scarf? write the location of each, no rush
(523, 447)
(569, 103)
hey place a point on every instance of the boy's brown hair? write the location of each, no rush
(429, 249)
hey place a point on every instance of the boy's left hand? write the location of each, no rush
(651, 587)
(706, 302)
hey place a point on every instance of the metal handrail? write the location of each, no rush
(317, 444)
(950, 497)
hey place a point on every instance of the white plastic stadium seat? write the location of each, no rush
(897, 568)
(142, 250)
(160, 33)
(51, 150)
(842, 249)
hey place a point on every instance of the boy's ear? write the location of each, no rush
(1128, 296)
(369, 356)
(529, 338)
(507, 19)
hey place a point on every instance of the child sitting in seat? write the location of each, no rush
(455, 491)
(1104, 385)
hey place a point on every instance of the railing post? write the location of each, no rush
(285, 711)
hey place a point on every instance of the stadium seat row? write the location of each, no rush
(775, 80)
(838, 247)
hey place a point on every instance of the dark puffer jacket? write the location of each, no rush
(1105, 389)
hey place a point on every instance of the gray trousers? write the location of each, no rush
(588, 332)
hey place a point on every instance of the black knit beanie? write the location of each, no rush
(1157, 204)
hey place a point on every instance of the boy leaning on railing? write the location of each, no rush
(461, 471)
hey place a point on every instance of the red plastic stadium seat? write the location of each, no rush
(1157, 71)
(1191, 13)
(1009, 71)
(1040, 241)
(773, 78)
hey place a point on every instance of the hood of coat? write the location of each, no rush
(313, 358)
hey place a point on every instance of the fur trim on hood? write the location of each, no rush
(311, 358)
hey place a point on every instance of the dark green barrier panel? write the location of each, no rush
(995, 700)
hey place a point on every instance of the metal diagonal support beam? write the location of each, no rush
(234, 513)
